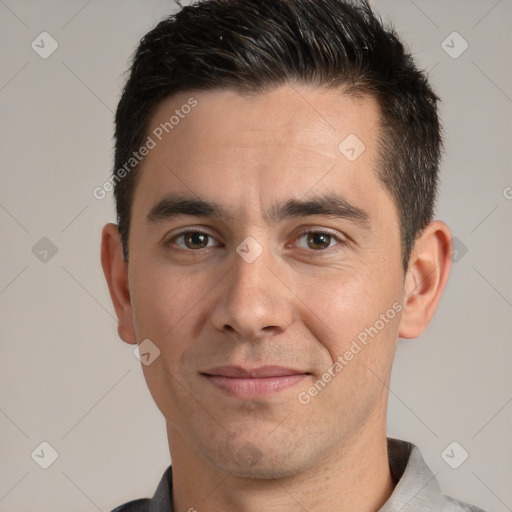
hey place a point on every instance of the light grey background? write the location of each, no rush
(66, 378)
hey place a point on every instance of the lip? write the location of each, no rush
(252, 373)
(254, 382)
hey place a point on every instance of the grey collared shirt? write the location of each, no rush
(416, 488)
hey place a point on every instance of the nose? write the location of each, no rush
(253, 300)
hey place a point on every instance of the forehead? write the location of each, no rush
(255, 150)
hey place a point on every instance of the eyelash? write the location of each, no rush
(340, 241)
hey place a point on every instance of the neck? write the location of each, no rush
(354, 477)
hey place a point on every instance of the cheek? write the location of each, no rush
(164, 305)
(350, 307)
(170, 308)
(357, 324)
(161, 299)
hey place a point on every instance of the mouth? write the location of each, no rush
(255, 382)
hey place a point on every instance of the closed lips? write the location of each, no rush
(255, 373)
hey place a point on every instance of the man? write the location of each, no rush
(276, 166)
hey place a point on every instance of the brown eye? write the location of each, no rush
(192, 240)
(319, 240)
(195, 240)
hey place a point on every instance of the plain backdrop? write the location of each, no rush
(65, 377)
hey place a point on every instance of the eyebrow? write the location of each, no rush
(329, 205)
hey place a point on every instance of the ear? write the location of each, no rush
(429, 267)
(116, 274)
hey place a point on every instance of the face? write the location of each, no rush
(262, 253)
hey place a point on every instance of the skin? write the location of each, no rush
(300, 304)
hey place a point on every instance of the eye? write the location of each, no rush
(193, 240)
(318, 240)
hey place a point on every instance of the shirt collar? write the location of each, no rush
(416, 487)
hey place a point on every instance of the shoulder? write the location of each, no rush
(453, 505)
(161, 501)
(416, 487)
(142, 505)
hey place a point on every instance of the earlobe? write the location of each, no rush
(116, 274)
(429, 268)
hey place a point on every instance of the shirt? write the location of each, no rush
(416, 487)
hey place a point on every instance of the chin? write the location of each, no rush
(251, 461)
(264, 470)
